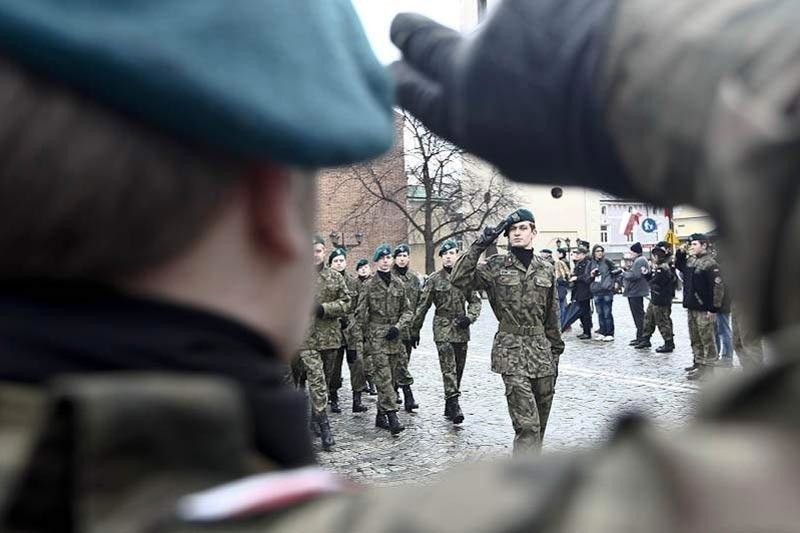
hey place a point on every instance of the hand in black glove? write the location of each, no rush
(522, 92)
(320, 311)
(351, 356)
(463, 322)
(392, 334)
(414, 340)
(345, 321)
(490, 233)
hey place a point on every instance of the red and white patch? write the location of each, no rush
(259, 493)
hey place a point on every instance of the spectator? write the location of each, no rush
(562, 281)
(635, 288)
(603, 273)
(581, 294)
(724, 338)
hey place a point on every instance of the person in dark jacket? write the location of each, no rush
(703, 292)
(581, 292)
(563, 274)
(603, 273)
(662, 291)
(635, 288)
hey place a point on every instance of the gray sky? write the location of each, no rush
(377, 15)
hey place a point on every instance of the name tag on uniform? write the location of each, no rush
(505, 272)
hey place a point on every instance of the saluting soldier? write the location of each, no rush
(352, 342)
(413, 287)
(364, 271)
(384, 311)
(703, 291)
(522, 293)
(450, 325)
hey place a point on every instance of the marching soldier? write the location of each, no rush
(384, 311)
(364, 272)
(352, 341)
(411, 282)
(527, 346)
(450, 325)
(662, 291)
(703, 291)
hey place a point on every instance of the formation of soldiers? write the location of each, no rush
(376, 321)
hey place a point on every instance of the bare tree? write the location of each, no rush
(444, 196)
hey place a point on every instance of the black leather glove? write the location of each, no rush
(463, 322)
(414, 341)
(522, 92)
(490, 234)
(351, 355)
(392, 334)
(345, 321)
(320, 311)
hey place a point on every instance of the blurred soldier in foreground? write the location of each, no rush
(526, 348)
(410, 280)
(679, 101)
(352, 340)
(383, 312)
(450, 325)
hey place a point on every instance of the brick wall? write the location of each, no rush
(338, 196)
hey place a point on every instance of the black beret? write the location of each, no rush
(336, 252)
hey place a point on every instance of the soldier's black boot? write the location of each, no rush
(394, 423)
(701, 373)
(325, 434)
(381, 421)
(358, 407)
(668, 347)
(455, 410)
(447, 408)
(691, 368)
(409, 399)
(334, 401)
(644, 342)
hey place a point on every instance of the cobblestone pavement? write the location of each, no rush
(597, 381)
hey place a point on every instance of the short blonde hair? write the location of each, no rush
(87, 192)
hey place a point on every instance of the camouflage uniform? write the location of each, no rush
(369, 367)
(528, 342)
(703, 294)
(659, 311)
(318, 352)
(451, 340)
(381, 306)
(413, 287)
(352, 346)
(658, 316)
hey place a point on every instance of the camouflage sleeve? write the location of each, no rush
(467, 274)
(342, 304)
(407, 315)
(552, 321)
(362, 310)
(718, 284)
(425, 301)
(474, 305)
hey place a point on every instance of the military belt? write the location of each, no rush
(447, 315)
(382, 321)
(526, 331)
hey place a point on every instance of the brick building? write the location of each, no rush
(343, 203)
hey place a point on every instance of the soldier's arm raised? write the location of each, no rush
(467, 274)
(474, 305)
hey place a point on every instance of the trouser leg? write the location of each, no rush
(317, 386)
(543, 392)
(335, 379)
(649, 326)
(694, 336)
(636, 305)
(402, 376)
(460, 349)
(524, 414)
(724, 335)
(384, 366)
(447, 364)
(663, 319)
(586, 316)
(707, 333)
(358, 380)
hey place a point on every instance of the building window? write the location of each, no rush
(603, 210)
(630, 210)
(630, 237)
(603, 233)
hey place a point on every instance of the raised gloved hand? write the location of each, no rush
(490, 234)
(522, 92)
(463, 322)
(392, 333)
(319, 312)
(414, 340)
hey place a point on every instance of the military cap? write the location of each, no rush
(581, 250)
(584, 244)
(336, 252)
(381, 251)
(401, 249)
(702, 237)
(319, 239)
(562, 250)
(636, 248)
(449, 244)
(546, 251)
(292, 81)
(361, 262)
(658, 250)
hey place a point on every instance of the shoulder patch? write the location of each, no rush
(258, 494)
(718, 280)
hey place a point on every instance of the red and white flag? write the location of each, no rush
(628, 222)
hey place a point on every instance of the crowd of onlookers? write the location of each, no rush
(587, 278)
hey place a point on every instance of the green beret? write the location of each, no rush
(361, 263)
(292, 81)
(449, 244)
(336, 252)
(319, 239)
(381, 251)
(401, 249)
(520, 215)
(702, 237)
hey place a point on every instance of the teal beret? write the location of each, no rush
(702, 237)
(381, 251)
(361, 263)
(292, 81)
(401, 249)
(449, 244)
(318, 239)
(336, 252)
(520, 215)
